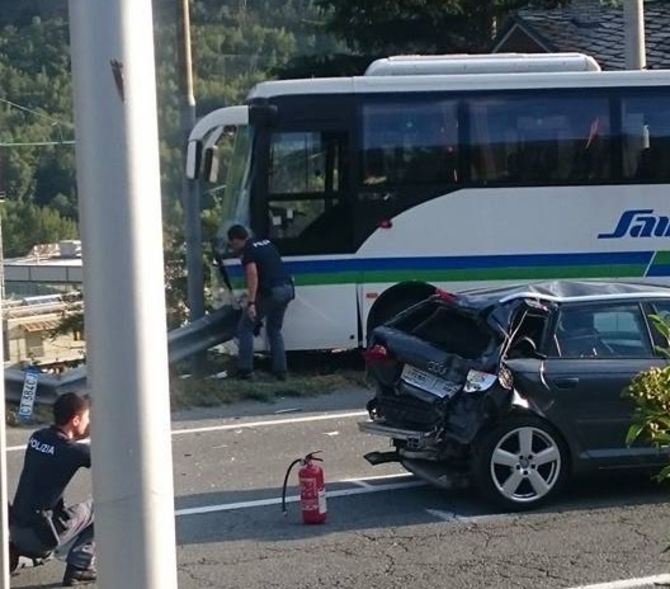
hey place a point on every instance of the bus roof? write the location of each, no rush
(428, 83)
(482, 63)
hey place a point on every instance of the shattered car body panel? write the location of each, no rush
(539, 366)
(459, 416)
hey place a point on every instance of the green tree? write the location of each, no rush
(25, 224)
(423, 26)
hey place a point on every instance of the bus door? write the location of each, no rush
(303, 204)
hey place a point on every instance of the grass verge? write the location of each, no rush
(311, 375)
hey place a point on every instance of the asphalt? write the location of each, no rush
(385, 529)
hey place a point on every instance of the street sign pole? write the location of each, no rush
(120, 216)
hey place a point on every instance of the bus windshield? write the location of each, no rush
(235, 206)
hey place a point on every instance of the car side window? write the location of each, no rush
(607, 331)
(661, 309)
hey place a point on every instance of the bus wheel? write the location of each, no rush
(397, 299)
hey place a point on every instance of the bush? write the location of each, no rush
(650, 391)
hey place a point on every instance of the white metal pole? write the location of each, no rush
(4, 519)
(635, 45)
(120, 212)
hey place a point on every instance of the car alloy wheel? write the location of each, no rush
(521, 463)
(525, 464)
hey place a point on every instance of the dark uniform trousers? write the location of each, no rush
(74, 529)
(271, 306)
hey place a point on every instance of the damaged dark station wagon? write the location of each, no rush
(517, 388)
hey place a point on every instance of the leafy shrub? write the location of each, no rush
(650, 391)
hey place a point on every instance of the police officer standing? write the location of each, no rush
(39, 522)
(270, 290)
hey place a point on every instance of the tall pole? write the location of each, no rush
(120, 211)
(190, 188)
(2, 259)
(633, 17)
(4, 499)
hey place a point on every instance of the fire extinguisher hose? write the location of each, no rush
(283, 493)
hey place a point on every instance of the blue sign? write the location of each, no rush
(28, 395)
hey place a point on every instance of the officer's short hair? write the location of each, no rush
(67, 406)
(238, 232)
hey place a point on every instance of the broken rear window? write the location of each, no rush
(450, 329)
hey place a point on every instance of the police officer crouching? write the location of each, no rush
(40, 523)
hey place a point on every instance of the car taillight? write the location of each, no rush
(477, 381)
(377, 354)
(445, 295)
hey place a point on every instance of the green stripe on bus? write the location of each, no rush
(661, 258)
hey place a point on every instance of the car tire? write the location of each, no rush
(522, 463)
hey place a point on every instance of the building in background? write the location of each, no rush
(48, 269)
(42, 289)
(586, 26)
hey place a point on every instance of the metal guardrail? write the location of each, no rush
(211, 330)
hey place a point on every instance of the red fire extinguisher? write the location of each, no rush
(312, 489)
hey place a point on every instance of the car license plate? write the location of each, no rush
(429, 382)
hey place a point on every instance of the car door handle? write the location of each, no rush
(569, 382)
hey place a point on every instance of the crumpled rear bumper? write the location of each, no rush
(414, 439)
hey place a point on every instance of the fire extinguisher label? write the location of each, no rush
(322, 501)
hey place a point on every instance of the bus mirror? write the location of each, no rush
(193, 156)
(211, 165)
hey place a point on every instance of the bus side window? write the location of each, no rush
(531, 140)
(409, 143)
(646, 136)
(308, 211)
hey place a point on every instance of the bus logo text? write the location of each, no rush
(639, 223)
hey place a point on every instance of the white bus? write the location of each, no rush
(379, 188)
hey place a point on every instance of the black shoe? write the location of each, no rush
(74, 576)
(13, 558)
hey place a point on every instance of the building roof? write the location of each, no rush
(590, 27)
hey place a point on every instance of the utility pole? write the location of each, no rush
(4, 499)
(635, 46)
(190, 188)
(118, 181)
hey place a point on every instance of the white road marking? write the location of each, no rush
(23, 447)
(380, 477)
(266, 423)
(629, 583)
(446, 516)
(450, 516)
(241, 426)
(295, 498)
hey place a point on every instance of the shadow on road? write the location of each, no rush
(392, 509)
